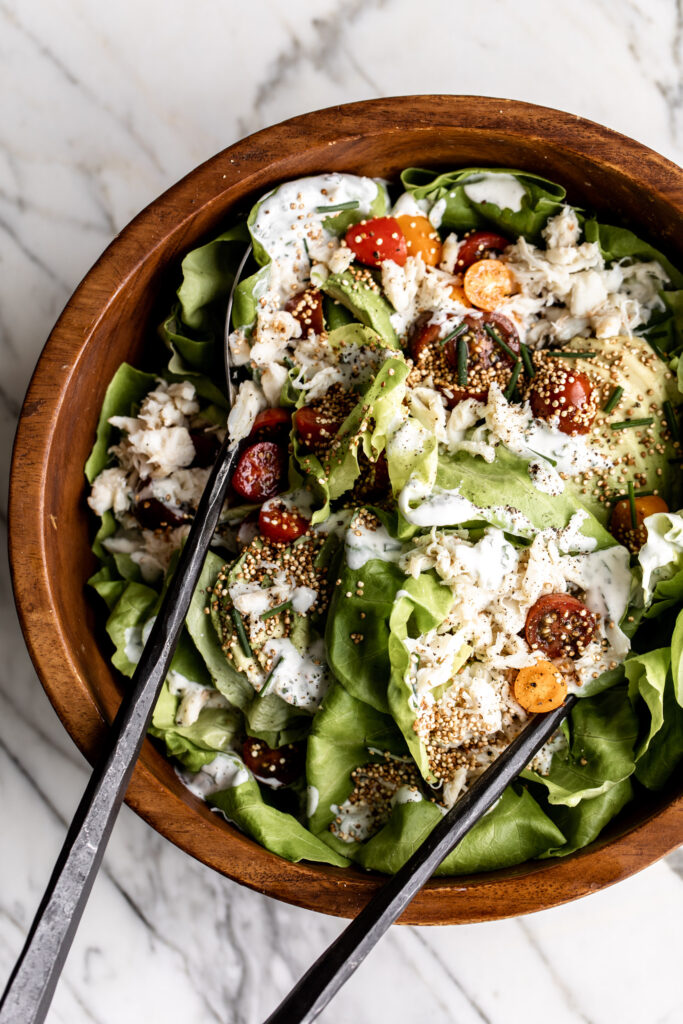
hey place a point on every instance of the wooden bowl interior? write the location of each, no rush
(113, 317)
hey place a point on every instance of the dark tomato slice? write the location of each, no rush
(307, 307)
(560, 626)
(423, 336)
(206, 447)
(561, 390)
(261, 471)
(284, 764)
(154, 515)
(483, 352)
(479, 246)
(271, 425)
(316, 427)
(374, 241)
(373, 483)
(281, 524)
(621, 525)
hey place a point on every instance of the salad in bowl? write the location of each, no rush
(459, 400)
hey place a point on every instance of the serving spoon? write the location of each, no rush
(29, 991)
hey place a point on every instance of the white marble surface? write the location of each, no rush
(104, 106)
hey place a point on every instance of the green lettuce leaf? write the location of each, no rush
(197, 744)
(279, 832)
(602, 733)
(583, 823)
(513, 831)
(651, 691)
(346, 733)
(542, 199)
(126, 389)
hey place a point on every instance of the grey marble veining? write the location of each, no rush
(102, 108)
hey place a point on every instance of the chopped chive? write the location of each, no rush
(632, 505)
(613, 400)
(546, 457)
(493, 333)
(276, 610)
(559, 353)
(509, 390)
(624, 497)
(269, 678)
(460, 329)
(463, 357)
(671, 420)
(289, 363)
(657, 350)
(352, 204)
(528, 361)
(646, 421)
(241, 633)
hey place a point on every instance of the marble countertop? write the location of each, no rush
(103, 107)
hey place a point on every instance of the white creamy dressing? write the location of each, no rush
(406, 795)
(662, 555)
(302, 680)
(408, 206)
(226, 771)
(133, 644)
(442, 507)
(361, 544)
(194, 697)
(436, 213)
(501, 190)
(356, 821)
(288, 214)
(312, 800)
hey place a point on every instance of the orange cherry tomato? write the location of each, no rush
(540, 687)
(421, 237)
(621, 525)
(458, 293)
(377, 240)
(487, 283)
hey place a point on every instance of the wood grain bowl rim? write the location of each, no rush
(162, 801)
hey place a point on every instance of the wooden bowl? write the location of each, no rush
(112, 316)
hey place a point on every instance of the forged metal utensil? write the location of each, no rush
(322, 981)
(29, 991)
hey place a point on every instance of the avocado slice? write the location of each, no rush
(365, 302)
(638, 456)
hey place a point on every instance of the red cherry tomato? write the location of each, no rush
(281, 524)
(284, 764)
(561, 390)
(307, 307)
(479, 246)
(206, 447)
(261, 471)
(374, 241)
(314, 426)
(560, 626)
(620, 524)
(271, 425)
(154, 515)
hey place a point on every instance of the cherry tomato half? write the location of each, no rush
(479, 246)
(560, 626)
(271, 425)
(558, 390)
(206, 445)
(152, 514)
(621, 526)
(261, 471)
(315, 426)
(307, 307)
(421, 238)
(374, 241)
(278, 523)
(487, 283)
(284, 764)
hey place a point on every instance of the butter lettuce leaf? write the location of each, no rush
(126, 389)
(279, 832)
(652, 694)
(541, 199)
(197, 744)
